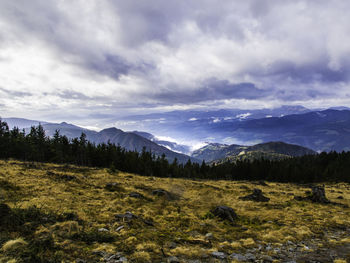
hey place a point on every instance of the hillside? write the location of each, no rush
(128, 140)
(214, 152)
(63, 213)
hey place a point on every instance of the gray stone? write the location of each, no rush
(173, 260)
(238, 257)
(119, 228)
(209, 236)
(266, 258)
(103, 230)
(250, 256)
(219, 255)
(128, 216)
(172, 245)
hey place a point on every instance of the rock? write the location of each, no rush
(250, 256)
(238, 257)
(266, 258)
(209, 236)
(225, 213)
(256, 196)
(114, 258)
(172, 245)
(128, 216)
(119, 228)
(103, 230)
(173, 260)
(219, 255)
(136, 195)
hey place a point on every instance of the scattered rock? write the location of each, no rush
(111, 258)
(114, 258)
(103, 230)
(119, 228)
(209, 236)
(256, 196)
(173, 260)
(136, 195)
(250, 256)
(225, 213)
(172, 245)
(266, 258)
(238, 257)
(219, 255)
(128, 216)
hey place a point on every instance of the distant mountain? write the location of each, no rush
(21, 123)
(173, 146)
(320, 130)
(271, 150)
(201, 125)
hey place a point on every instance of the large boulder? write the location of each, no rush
(225, 213)
(256, 196)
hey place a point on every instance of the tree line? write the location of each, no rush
(36, 146)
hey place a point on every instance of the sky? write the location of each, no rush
(87, 61)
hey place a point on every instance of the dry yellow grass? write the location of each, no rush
(185, 220)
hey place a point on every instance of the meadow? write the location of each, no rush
(66, 213)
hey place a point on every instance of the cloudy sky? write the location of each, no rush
(85, 61)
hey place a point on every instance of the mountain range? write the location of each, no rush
(228, 132)
(320, 130)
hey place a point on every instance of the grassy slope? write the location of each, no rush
(185, 220)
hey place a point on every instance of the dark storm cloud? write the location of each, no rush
(213, 90)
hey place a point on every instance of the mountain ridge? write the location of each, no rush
(269, 150)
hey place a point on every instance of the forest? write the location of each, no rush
(35, 146)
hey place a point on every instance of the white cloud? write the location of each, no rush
(66, 61)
